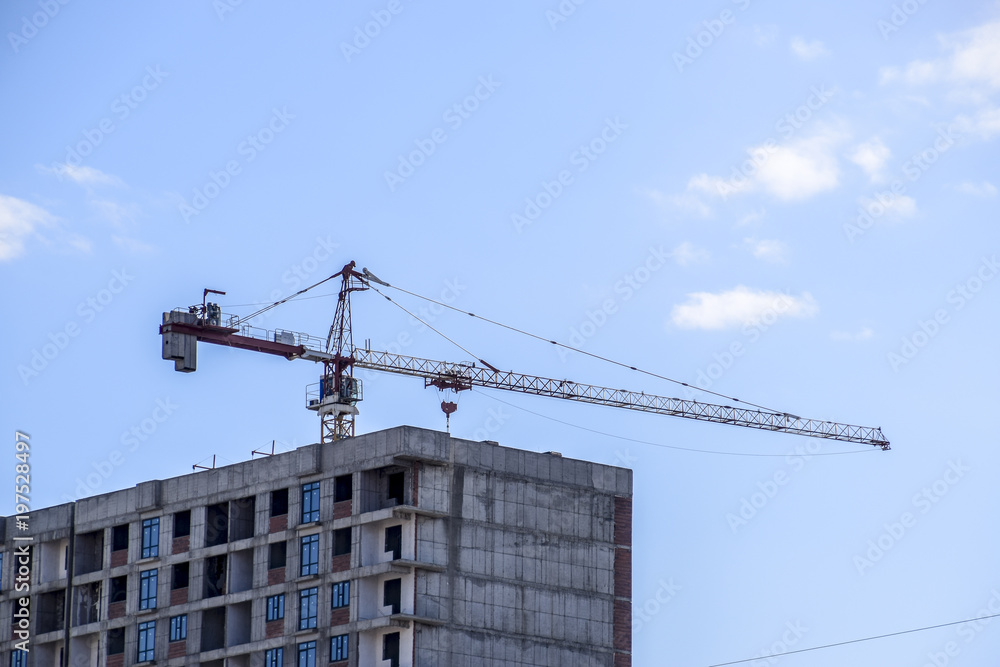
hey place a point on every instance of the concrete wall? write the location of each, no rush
(529, 556)
(508, 556)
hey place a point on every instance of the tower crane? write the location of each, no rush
(338, 392)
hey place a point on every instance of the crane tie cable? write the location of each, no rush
(589, 354)
(511, 328)
(657, 444)
(855, 641)
(389, 299)
(287, 298)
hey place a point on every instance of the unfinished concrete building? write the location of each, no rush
(400, 548)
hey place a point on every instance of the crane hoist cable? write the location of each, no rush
(584, 352)
(658, 444)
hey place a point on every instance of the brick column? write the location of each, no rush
(623, 582)
(180, 544)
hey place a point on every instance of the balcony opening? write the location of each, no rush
(394, 541)
(390, 648)
(89, 555)
(392, 593)
(182, 524)
(51, 611)
(215, 576)
(180, 575)
(116, 641)
(382, 487)
(119, 537)
(277, 553)
(396, 483)
(216, 524)
(117, 596)
(87, 603)
(341, 541)
(343, 488)
(55, 559)
(241, 571)
(84, 649)
(279, 502)
(238, 624)
(242, 513)
(213, 628)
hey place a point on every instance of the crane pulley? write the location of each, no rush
(336, 396)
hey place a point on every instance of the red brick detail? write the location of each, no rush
(116, 609)
(276, 576)
(181, 544)
(278, 524)
(341, 563)
(623, 521)
(623, 581)
(274, 628)
(177, 649)
(116, 660)
(623, 573)
(179, 596)
(340, 616)
(339, 662)
(342, 509)
(623, 625)
(119, 557)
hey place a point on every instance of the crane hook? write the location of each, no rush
(447, 407)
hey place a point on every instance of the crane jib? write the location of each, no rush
(181, 329)
(482, 377)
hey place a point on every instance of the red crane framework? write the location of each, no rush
(336, 395)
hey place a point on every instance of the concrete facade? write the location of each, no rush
(415, 549)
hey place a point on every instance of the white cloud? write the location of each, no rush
(803, 168)
(19, 220)
(764, 35)
(78, 243)
(131, 245)
(716, 186)
(687, 202)
(724, 310)
(872, 156)
(971, 69)
(893, 206)
(691, 204)
(916, 73)
(984, 189)
(804, 50)
(751, 217)
(767, 250)
(121, 216)
(81, 175)
(864, 334)
(975, 54)
(686, 254)
(986, 123)
(793, 171)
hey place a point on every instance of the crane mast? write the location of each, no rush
(340, 391)
(336, 396)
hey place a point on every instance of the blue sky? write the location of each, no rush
(794, 204)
